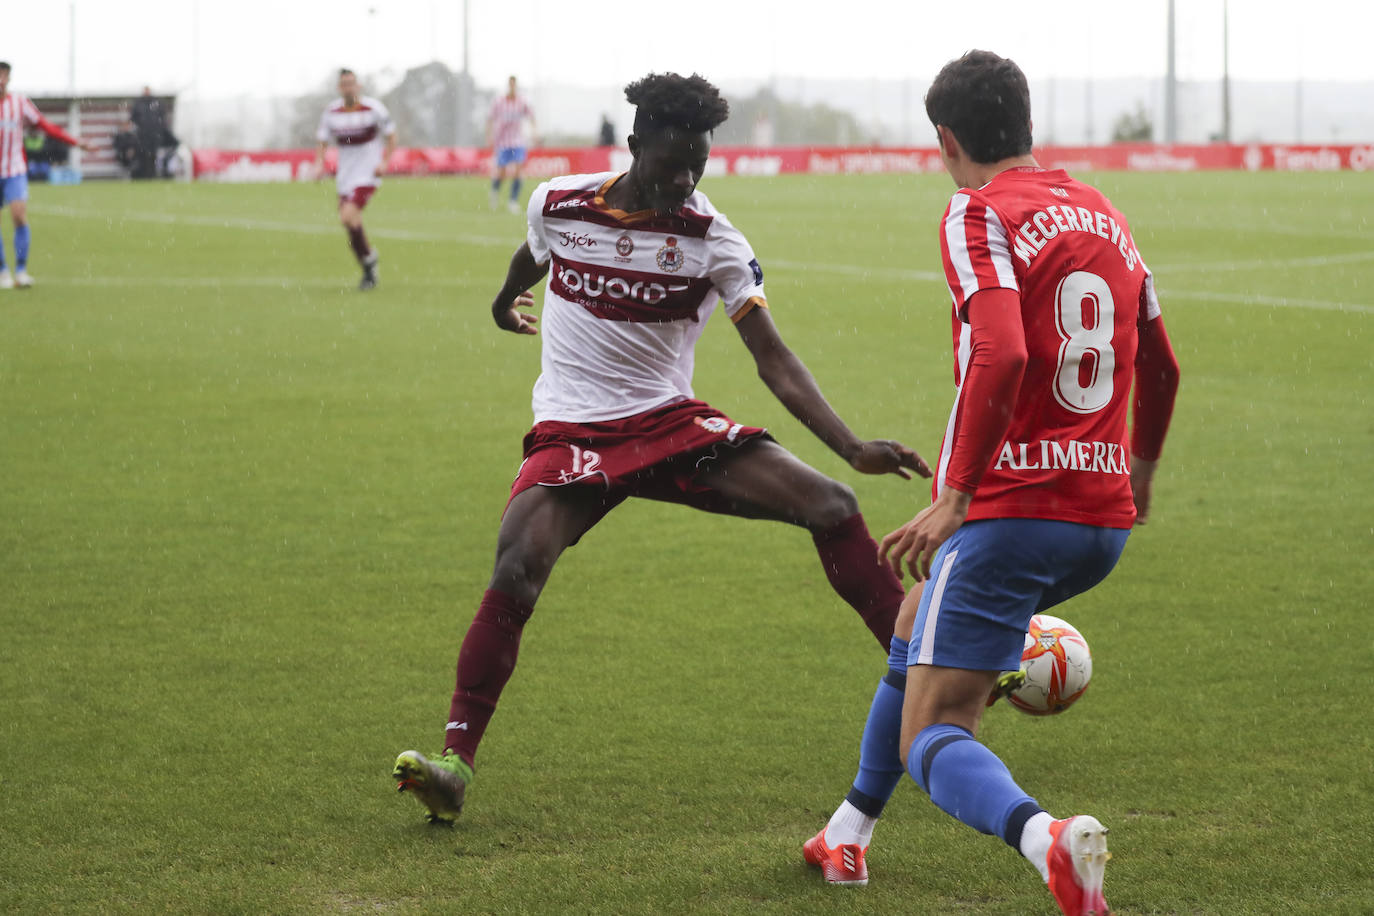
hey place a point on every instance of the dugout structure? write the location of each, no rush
(97, 118)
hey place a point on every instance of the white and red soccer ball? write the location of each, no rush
(1057, 664)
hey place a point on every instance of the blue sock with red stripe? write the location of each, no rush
(21, 246)
(970, 783)
(2, 251)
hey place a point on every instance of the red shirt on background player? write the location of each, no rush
(1057, 330)
(636, 264)
(16, 113)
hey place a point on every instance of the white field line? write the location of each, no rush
(893, 273)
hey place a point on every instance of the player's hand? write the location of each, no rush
(1142, 484)
(917, 541)
(88, 146)
(516, 321)
(887, 456)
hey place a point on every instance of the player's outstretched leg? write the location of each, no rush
(539, 524)
(880, 769)
(969, 782)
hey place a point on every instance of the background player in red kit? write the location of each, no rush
(17, 112)
(1055, 315)
(636, 264)
(366, 136)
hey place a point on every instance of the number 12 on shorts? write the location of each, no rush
(584, 461)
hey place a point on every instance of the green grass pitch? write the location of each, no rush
(246, 514)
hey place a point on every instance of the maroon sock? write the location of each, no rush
(358, 240)
(850, 557)
(485, 663)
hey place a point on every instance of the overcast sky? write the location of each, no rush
(284, 47)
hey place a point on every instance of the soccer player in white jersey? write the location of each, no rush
(636, 264)
(1066, 382)
(16, 113)
(362, 129)
(506, 137)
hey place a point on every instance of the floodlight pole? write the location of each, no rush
(73, 106)
(1170, 85)
(1225, 73)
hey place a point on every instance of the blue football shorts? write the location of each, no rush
(16, 187)
(510, 155)
(993, 575)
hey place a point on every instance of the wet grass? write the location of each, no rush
(247, 513)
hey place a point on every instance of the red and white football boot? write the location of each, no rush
(1077, 858)
(842, 865)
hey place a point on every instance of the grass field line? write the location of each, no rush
(926, 276)
(1269, 301)
(1320, 260)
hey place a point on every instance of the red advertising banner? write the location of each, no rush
(298, 165)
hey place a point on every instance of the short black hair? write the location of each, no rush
(985, 101)
(4, 65)
(344, 71)
(664, 100)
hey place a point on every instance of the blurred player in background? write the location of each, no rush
(362, 128)
(636, 264)
(16, 113)
(506, 137)
(1055, 320)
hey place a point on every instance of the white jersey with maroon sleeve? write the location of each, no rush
(1084, 290)
(16, 113)
(627, 298)
(360, 131)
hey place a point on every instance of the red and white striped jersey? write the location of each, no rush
(506, 122)
(16, 113)
(628, 296)
(1084, 290)
(360, 133)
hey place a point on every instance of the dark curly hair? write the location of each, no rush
(984, 99)
(664, 100)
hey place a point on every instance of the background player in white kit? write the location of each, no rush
(362, 128)
(636, 265)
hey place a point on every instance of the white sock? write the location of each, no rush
(849, 825)
(1036, 842)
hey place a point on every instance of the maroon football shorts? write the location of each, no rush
(360, 196)
(652, 455)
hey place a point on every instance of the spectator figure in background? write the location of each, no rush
(506, 137)
(17, 112)
(606, 135)
(356, 123)
(148, 116)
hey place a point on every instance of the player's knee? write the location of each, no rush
(833, 503)
(521, 570)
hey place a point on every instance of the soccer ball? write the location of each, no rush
(1057, 664)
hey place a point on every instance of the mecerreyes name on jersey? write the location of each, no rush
(1049, 222)
(1049, 455)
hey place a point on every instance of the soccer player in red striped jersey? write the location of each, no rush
(636, 263)
(506, 136)
(1057, 333)
(16, 113)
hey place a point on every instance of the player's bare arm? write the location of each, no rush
(515, 295)
(792, 384)
(390, 148)
(320, 151)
